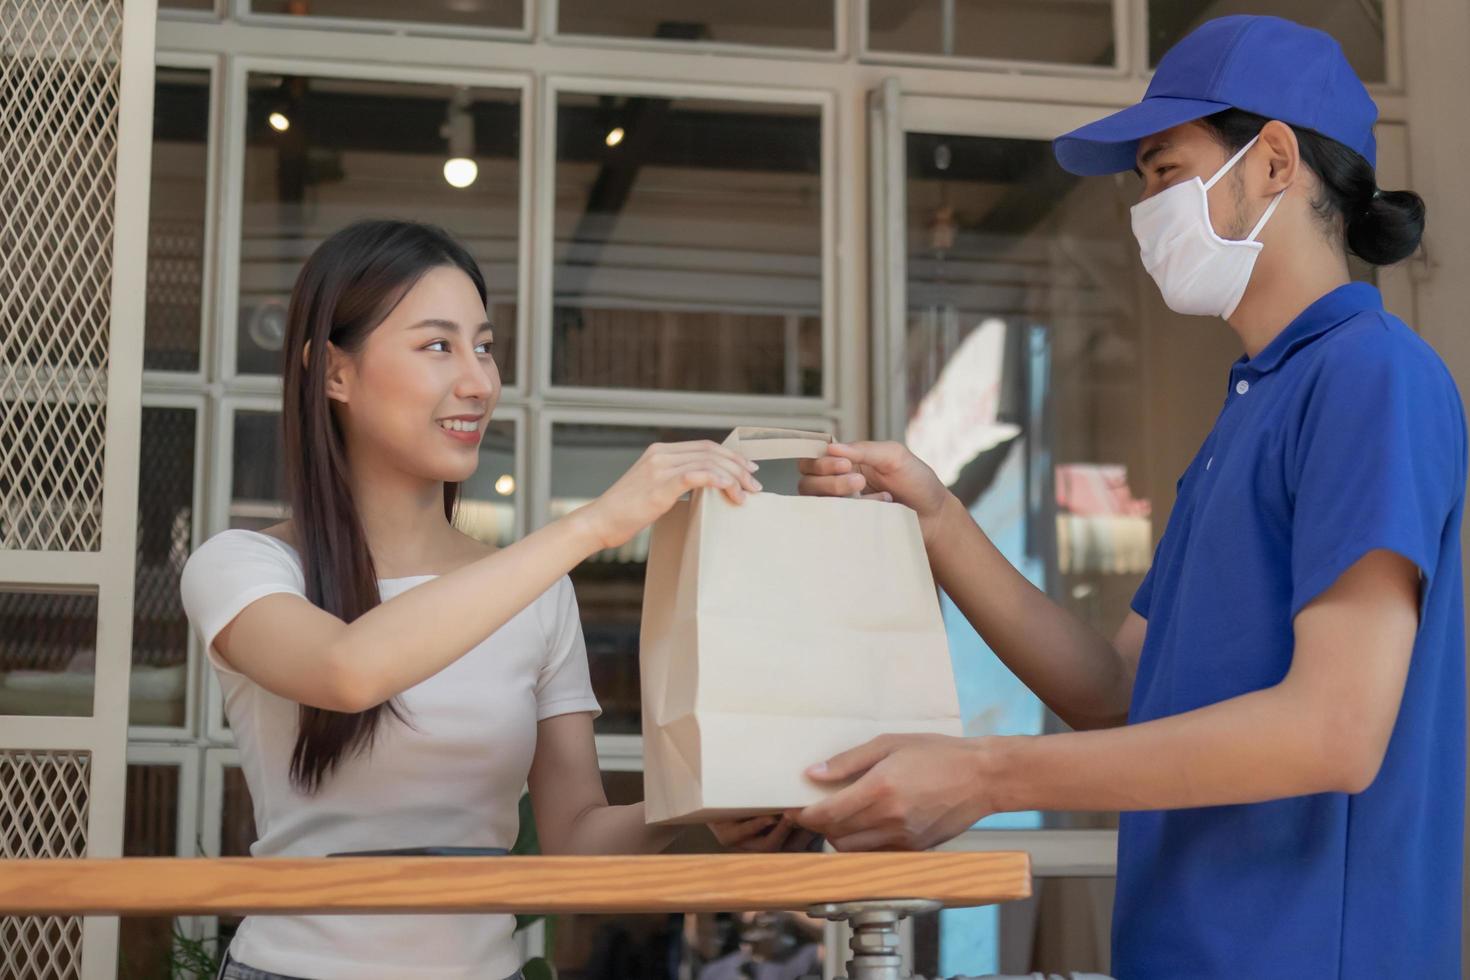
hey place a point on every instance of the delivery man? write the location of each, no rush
(1282, 716)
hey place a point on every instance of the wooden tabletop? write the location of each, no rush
(661, 883)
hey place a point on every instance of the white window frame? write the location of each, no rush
(186, 759)
(232, 223)
(551, 31)
(546, 249)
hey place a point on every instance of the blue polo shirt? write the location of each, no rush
(1343, 436)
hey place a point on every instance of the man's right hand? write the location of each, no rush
(881, 470)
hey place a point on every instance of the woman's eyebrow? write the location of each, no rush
(439, 324)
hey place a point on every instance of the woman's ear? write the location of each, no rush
(1283, 158)
(339, 373)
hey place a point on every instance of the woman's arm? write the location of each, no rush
(572, 812)
(304, 654)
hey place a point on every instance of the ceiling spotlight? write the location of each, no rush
(460, 171)
(615, 136)
(506, 485)
(279, 122)
(459, 130)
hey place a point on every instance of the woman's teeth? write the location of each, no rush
(458, 425)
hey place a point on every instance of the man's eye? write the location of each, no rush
(1165, 169)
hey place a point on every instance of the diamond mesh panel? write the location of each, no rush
(59, 65)
(43, 813)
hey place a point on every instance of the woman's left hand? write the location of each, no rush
(763, 834)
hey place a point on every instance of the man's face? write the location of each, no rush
(1184, 153)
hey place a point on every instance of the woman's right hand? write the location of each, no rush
(882, 470)
(663, 474)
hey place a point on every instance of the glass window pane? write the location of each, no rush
(688, 246)
(1026, 392)
(503, 14)
(1060, 31)
(150, 829)
(207, 6)
(257, 477)
(177, 204)
(322, 153)
(48, 652)
(758, 22)
(1357, 25)
(159, 681)
(1063, 928)
(585, 461)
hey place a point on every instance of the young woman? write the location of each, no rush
(392, 682)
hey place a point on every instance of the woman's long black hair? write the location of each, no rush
(351, 283)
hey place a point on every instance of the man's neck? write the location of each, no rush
(1277, 296)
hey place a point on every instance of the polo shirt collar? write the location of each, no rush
(1338, 306)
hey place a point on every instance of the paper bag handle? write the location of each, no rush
(757, 443)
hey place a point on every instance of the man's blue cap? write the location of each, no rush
(1265, 65)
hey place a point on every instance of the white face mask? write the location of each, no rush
(1199, 273)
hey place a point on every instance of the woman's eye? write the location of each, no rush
(1165, 169)
(485, 347)
(441, 346)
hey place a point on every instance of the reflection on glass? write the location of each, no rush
(503, 14)
(257, 474)
(487, 505)
(1057, 31)
(177, 204)
(322, 153)
(1027, 311)
(585, 461)
(1357, 25)
(1063, 928)
(688, 245)
(487, 500)
(159, 680)
(48, 652)
(150, 829)
(756, 22)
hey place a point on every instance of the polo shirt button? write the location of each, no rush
(1242, 386)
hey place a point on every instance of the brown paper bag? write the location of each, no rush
(778, 633)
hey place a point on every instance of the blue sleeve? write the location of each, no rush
(1376, 463)
(1145, 592)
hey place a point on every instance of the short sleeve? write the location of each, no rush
(1377, 461)
(1145, 593)
(563, 685)
(229, 572)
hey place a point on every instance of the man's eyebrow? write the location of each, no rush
(1149, 154)
(449, 325)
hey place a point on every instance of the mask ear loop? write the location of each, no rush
(1270, 208)
(1230, 163)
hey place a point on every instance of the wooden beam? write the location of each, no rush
(662, 883)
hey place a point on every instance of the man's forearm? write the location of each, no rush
(1256, 747)
(1075, 670)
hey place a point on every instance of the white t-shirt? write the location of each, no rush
(454, 778)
